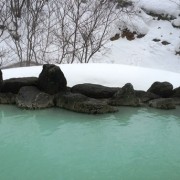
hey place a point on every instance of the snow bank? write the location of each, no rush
(114, 75)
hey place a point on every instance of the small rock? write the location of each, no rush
(163, 89)
(162, 103)
(125, 97)
(165, 43)
(145, 96)
(7, 98)
(156, 40)
(176, 92)
(30, 97)
(1, 79)
(13, 85)
(116, 37)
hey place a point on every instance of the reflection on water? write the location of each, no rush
(135, 143)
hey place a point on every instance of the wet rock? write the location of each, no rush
(80, 103)
(7, 98)
(163, 89)
(51, 80)
(30, 97)
(13, 85)
(163, 103)
(125, 97)
(176, 100)
(94, 90)
(145, 96)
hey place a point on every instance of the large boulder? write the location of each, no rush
(7, 98)
(51, 80)
(163, 103)
(125, 96)
(13, 85)
(94, 90)
(163, 89)
(30, 97)
(80, 103)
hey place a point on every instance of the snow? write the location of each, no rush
(112, 75)
(144, 52)
(130, 61)
(170, 7)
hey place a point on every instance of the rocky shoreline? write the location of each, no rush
(50, 90)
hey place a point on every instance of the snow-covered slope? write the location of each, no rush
(114, 75)
(144, 51)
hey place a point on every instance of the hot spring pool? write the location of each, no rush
(55, 144)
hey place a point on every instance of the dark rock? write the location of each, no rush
(7, 98)
(145, 96)
(116, 37)
(165, 43)
(140, 36)
(176, 100)
(13, 85)
(1, 79)
(156, 40)
(125, 97)
(30, 97)
(178, 53)
(94, 90)
(163, 103)
(176, 92)
(124, 4)
(163, 89)
(80, 103)
(51, 80)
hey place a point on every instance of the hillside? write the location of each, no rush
(156, 39)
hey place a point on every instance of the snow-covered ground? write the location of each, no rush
(113, 75)
(144, 51)
(125, 60)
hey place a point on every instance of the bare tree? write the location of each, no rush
(83, 27)
(55, 31)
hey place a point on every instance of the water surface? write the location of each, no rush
(55, 144)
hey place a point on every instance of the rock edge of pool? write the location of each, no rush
(50, 90)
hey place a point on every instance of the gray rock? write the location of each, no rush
(80, 103)
(30, 97)
(176, 92)
(163, 103)
(1, 79)
(145, 96)
(163, 89)
(94, 90)
(13, 85)
(51, 80)
(7, 98)
(176, 100)
(125, 97)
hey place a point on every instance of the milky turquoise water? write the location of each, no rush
(54, 144)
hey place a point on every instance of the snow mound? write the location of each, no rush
(112, 75)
